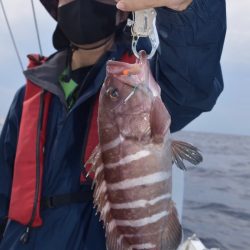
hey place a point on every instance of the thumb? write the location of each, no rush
(132, 5)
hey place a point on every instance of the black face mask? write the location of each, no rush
(86, 21)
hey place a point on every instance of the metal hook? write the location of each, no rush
(144, 25)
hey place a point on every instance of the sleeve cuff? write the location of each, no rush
(202, 23)
(204, 9)
(178, 11)
(175, 17)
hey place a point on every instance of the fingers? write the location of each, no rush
(132, 5)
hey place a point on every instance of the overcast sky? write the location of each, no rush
(231, 114)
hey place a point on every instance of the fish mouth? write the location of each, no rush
(141, 85)
(122, 81)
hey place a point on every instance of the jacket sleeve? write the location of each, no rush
(187, 63)
(8, 143)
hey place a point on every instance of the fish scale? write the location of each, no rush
(133, 161)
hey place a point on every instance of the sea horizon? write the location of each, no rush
(2, 120)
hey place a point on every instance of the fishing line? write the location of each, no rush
(12, 36)
(36, 26)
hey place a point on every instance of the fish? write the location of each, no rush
(132, 163)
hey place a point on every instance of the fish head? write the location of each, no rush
(127, 96)
(128, 88)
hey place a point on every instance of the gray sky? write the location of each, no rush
(231, 114)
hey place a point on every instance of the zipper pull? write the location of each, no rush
(25, 236)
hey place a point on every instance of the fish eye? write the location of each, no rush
(113, 93)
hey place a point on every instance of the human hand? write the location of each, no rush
(133, 5)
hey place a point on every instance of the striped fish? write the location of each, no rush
(133, 161)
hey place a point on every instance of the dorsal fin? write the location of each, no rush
(102, 203)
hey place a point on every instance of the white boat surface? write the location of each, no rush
(194, 243)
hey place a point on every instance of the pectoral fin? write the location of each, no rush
(184, 151)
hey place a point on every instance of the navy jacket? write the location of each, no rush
(187, 68)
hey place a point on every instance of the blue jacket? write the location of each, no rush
(187, 68)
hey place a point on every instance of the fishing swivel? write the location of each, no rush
(144, 25)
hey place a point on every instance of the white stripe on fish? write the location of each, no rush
(142, 246)
(143, 180)
(140, 203)
(140, 222)
(113, 143)
(129, 158)
(122, 236)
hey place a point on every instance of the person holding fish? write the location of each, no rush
(63, 135)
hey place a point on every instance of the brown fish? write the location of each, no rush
(133, 162)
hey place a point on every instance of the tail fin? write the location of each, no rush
(185, 151)
(172, 236)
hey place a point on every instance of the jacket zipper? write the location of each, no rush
(25, 237)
